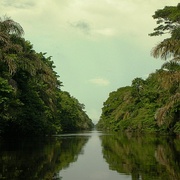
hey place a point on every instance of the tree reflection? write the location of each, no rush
(39, 159)
(146, 157)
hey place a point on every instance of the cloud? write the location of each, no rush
(105, 32)
(88, 30)
(81, 25)
(99, 81)
(21, 4)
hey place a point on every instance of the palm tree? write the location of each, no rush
(168, 23)
(168, 48)
(9, 29)
(169, 77)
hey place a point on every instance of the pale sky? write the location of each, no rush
(97, 46)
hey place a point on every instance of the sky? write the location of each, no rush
(97, 46)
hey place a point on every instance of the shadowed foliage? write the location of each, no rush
(153, 104)
(31, 101)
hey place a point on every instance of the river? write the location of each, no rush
(90, 155)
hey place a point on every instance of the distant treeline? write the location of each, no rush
(151, 105)
(31, 101)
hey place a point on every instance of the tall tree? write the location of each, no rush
(168, 20)
(9, 26)
(9, 30)
(31, 101)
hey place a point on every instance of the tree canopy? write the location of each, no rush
(168, 20)
(31, 100)
(153, 104)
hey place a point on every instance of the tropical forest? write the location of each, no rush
(152, 104)
(31, 99)
(48, 134)
(32, 102)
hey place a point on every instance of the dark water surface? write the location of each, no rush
(90, 155)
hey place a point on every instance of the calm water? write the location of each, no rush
(90, 156)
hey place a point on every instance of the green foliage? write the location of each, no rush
(9, 104)
(144, 157)
(153, 104)
(168, 22)
(38, 158)
(73, 117)
(31, 101)
(150, 105)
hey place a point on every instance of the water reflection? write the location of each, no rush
(38, 159)
(144, 157)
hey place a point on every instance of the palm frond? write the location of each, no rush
(10, 60)
(8, 26)
(162, 113)
(169, 48)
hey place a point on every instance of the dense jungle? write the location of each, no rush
(152, 104)
(32, 102)
(31, 99)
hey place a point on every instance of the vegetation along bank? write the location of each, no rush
(31, 99)
(153, 104)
